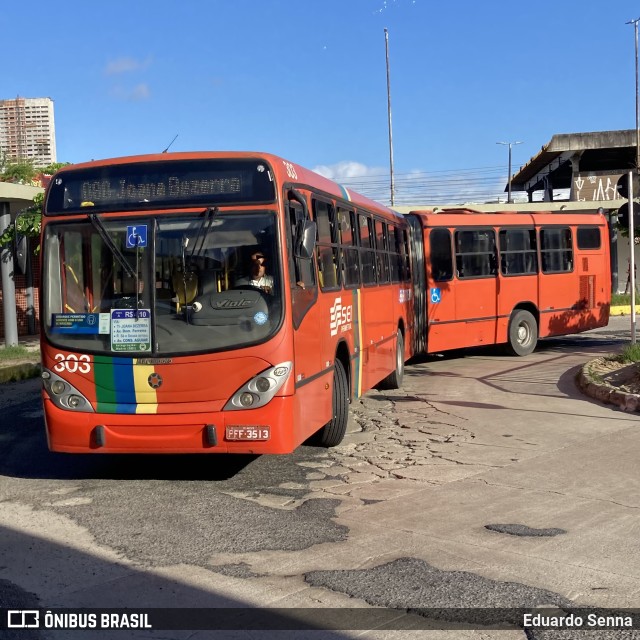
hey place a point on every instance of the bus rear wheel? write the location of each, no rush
(523, 333)
(394, 379)
(333, 432)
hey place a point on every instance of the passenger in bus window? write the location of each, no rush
(258, 276)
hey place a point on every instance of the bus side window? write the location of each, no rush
(367, 249)
(475, 253)
(556, 249)
(441, 255)
(348, 248)
(301, 270)
(518, 252)
(326, 245)
(382, 251)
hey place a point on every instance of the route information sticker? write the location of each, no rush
(131, 330)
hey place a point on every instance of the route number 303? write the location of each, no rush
(72, 363)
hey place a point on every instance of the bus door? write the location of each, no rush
(311, 408)
(593, 264)
(475, 286)
(559, 286)
(440, 297)
(518, 279)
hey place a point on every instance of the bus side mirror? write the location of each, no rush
(306, 240)
(20, 248)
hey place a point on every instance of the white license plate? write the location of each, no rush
(242, 432)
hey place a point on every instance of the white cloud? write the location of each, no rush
(131, 94)
(126, 65)
(348, 169)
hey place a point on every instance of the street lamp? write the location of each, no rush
(510, 144)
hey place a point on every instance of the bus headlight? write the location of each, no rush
(260, 389)
(64, 395)
(57, 386)
(246, 399)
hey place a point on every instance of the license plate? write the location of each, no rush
(245, 432)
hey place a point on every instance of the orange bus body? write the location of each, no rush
(322, 336)
(494, 278)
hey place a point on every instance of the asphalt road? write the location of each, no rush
(487, 484)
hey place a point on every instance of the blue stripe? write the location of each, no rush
(124, 386)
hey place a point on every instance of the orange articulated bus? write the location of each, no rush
(161, 335)
(494, 278)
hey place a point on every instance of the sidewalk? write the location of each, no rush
(23, 366)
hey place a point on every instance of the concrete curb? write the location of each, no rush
(622, 310)
(22, 371)
(593, 386)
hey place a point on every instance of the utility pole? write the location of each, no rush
(392, 185)
(632, 239)
(635, 27)
(510, 144)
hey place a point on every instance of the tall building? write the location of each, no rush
(27, 130)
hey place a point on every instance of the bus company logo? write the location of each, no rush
(340, 317)
(155, 380)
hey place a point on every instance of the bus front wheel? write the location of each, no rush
(523, 333)
(333, 432)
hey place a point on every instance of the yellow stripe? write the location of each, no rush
(361, 358)
(146, 397)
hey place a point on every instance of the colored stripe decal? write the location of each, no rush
(123, 387)
(105, 394)
(357, 338)
(146, 396)
(345, 193)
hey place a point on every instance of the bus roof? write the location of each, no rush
(472, 217)
(286, 172)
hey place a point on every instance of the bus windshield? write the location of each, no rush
(162, 285)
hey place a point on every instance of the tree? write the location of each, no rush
(27, 223)
(18, 172)
(50, 169)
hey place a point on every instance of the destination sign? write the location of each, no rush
(148, 185)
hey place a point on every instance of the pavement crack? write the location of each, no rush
(558, 493)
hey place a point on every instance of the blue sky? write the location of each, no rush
(306, 79)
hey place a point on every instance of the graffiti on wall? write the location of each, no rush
(596, 185)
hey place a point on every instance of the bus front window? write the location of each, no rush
(164, 285)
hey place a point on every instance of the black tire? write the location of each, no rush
(394, 379)
(333, 432)
(523, 333)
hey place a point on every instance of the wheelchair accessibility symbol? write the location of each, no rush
(436, 295)
(136, 236)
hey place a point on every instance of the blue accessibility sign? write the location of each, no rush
(435, 294)
(136, 236)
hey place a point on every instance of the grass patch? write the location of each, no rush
(631, 353)
(620, 299)
(11, 353)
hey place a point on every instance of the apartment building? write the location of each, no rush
(27, 130)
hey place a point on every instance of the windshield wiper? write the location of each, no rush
(106, 238)
(203, 231)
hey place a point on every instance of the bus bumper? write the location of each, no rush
(76, 432)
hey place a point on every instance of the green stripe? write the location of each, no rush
(105, 384)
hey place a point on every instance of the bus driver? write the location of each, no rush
(258, 276)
